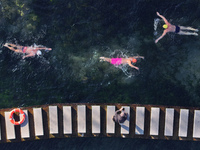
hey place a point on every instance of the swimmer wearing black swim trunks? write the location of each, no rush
(176, 29)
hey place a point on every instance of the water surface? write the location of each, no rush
(79, 32)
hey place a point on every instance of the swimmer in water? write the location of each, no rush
(119, 61)
(30, 51)
(176, 29)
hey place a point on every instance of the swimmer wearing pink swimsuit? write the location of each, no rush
(116, 61)
(24, 49)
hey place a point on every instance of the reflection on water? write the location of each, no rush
(156, 22)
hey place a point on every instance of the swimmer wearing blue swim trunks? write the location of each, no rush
(176, 29)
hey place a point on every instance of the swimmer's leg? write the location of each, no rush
(188, 28)
(15, 50)
(9, 45)
(105, 59)
(187, 33)
(13, 47)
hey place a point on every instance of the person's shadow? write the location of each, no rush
(139, 130)
(124, 125)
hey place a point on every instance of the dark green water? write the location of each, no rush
(103, 143)
(81, 31)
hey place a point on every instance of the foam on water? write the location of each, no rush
(156, 22)
(127, 70)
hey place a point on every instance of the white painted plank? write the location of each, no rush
(196, 126)
(139, 127)
(38, 121)
(96, 119)
(10, 128)
(110, 123)
(53, 119)
(81, 119)
(183, 122)
(67, 120)
(169, 121)
(154, 124)
(125, 125)
(25, 133)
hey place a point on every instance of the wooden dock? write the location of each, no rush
(95, 120)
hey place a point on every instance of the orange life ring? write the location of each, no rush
(12, 120)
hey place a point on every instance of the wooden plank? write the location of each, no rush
(81, 118)
(139, 127)
(38, 121)
(53, 119)
(96, 119)
(0, 130)
(190, 124)
(24, 127)
(10, 128)
(183, 123)
(110, 123)
(88, 121)
(162, 123)
(176, 124)
(154, 124)
(169, 121)
(125, 125)
(103, 119)
(147, 120)
(67, 120)
(196, 125)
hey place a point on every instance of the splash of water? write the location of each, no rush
(127, 70)
(156, 22)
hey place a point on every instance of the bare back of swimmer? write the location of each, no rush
(28, 51)
(181, 30)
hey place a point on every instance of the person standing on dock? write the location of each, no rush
(28, 51)
(181, 30)
(120, 116)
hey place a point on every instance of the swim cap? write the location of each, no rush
(39, 53)
(165, 26)
(134, 60)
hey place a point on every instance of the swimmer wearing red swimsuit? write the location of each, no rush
(24, 49)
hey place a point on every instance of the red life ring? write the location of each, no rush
(12, 120)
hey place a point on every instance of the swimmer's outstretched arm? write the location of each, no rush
(164, 33)
(165, 20)
(29, 55)
(129, 63)
(45, 48)
(138, 57)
